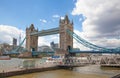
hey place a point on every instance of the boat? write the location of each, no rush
(5, 58)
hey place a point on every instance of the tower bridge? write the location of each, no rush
(66, 35)
(66, 41)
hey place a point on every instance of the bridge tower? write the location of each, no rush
(66, 42)
(31, 41)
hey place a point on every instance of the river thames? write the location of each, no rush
(78, 72)
(89, 71)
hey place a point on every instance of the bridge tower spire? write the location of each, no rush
(31, 41)
(66, 42)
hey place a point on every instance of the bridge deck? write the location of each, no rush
(110, 52)
(46, 32)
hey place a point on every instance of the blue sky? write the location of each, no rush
(21, 13)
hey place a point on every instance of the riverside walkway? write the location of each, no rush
(29, 68)
(39, 65)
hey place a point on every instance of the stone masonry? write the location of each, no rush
(31, 41)
(65, 40)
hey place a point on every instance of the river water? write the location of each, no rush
(90, 71)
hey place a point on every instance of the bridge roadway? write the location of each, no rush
(34, 53)
(10, 53)
(71, 51)
(78, 51)
(46, 32)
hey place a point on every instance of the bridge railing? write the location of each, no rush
(113, 60)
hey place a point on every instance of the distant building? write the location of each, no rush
(14, 42)
(54, 45)
(1, 50)
(5, 47)
(44, 49)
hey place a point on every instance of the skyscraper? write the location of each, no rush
(14, 42)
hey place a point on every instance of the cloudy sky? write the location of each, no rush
(97, 21)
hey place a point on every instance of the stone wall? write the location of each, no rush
(65, 39)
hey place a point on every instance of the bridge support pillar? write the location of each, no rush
(31, 41)
(66, 42)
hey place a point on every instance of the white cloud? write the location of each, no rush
(56, 16)
(42, 41)
(78, 45)
(46, 40)
(102, 21)
(61, 17)
(43, 20)
(7, 33)
(103, 42)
